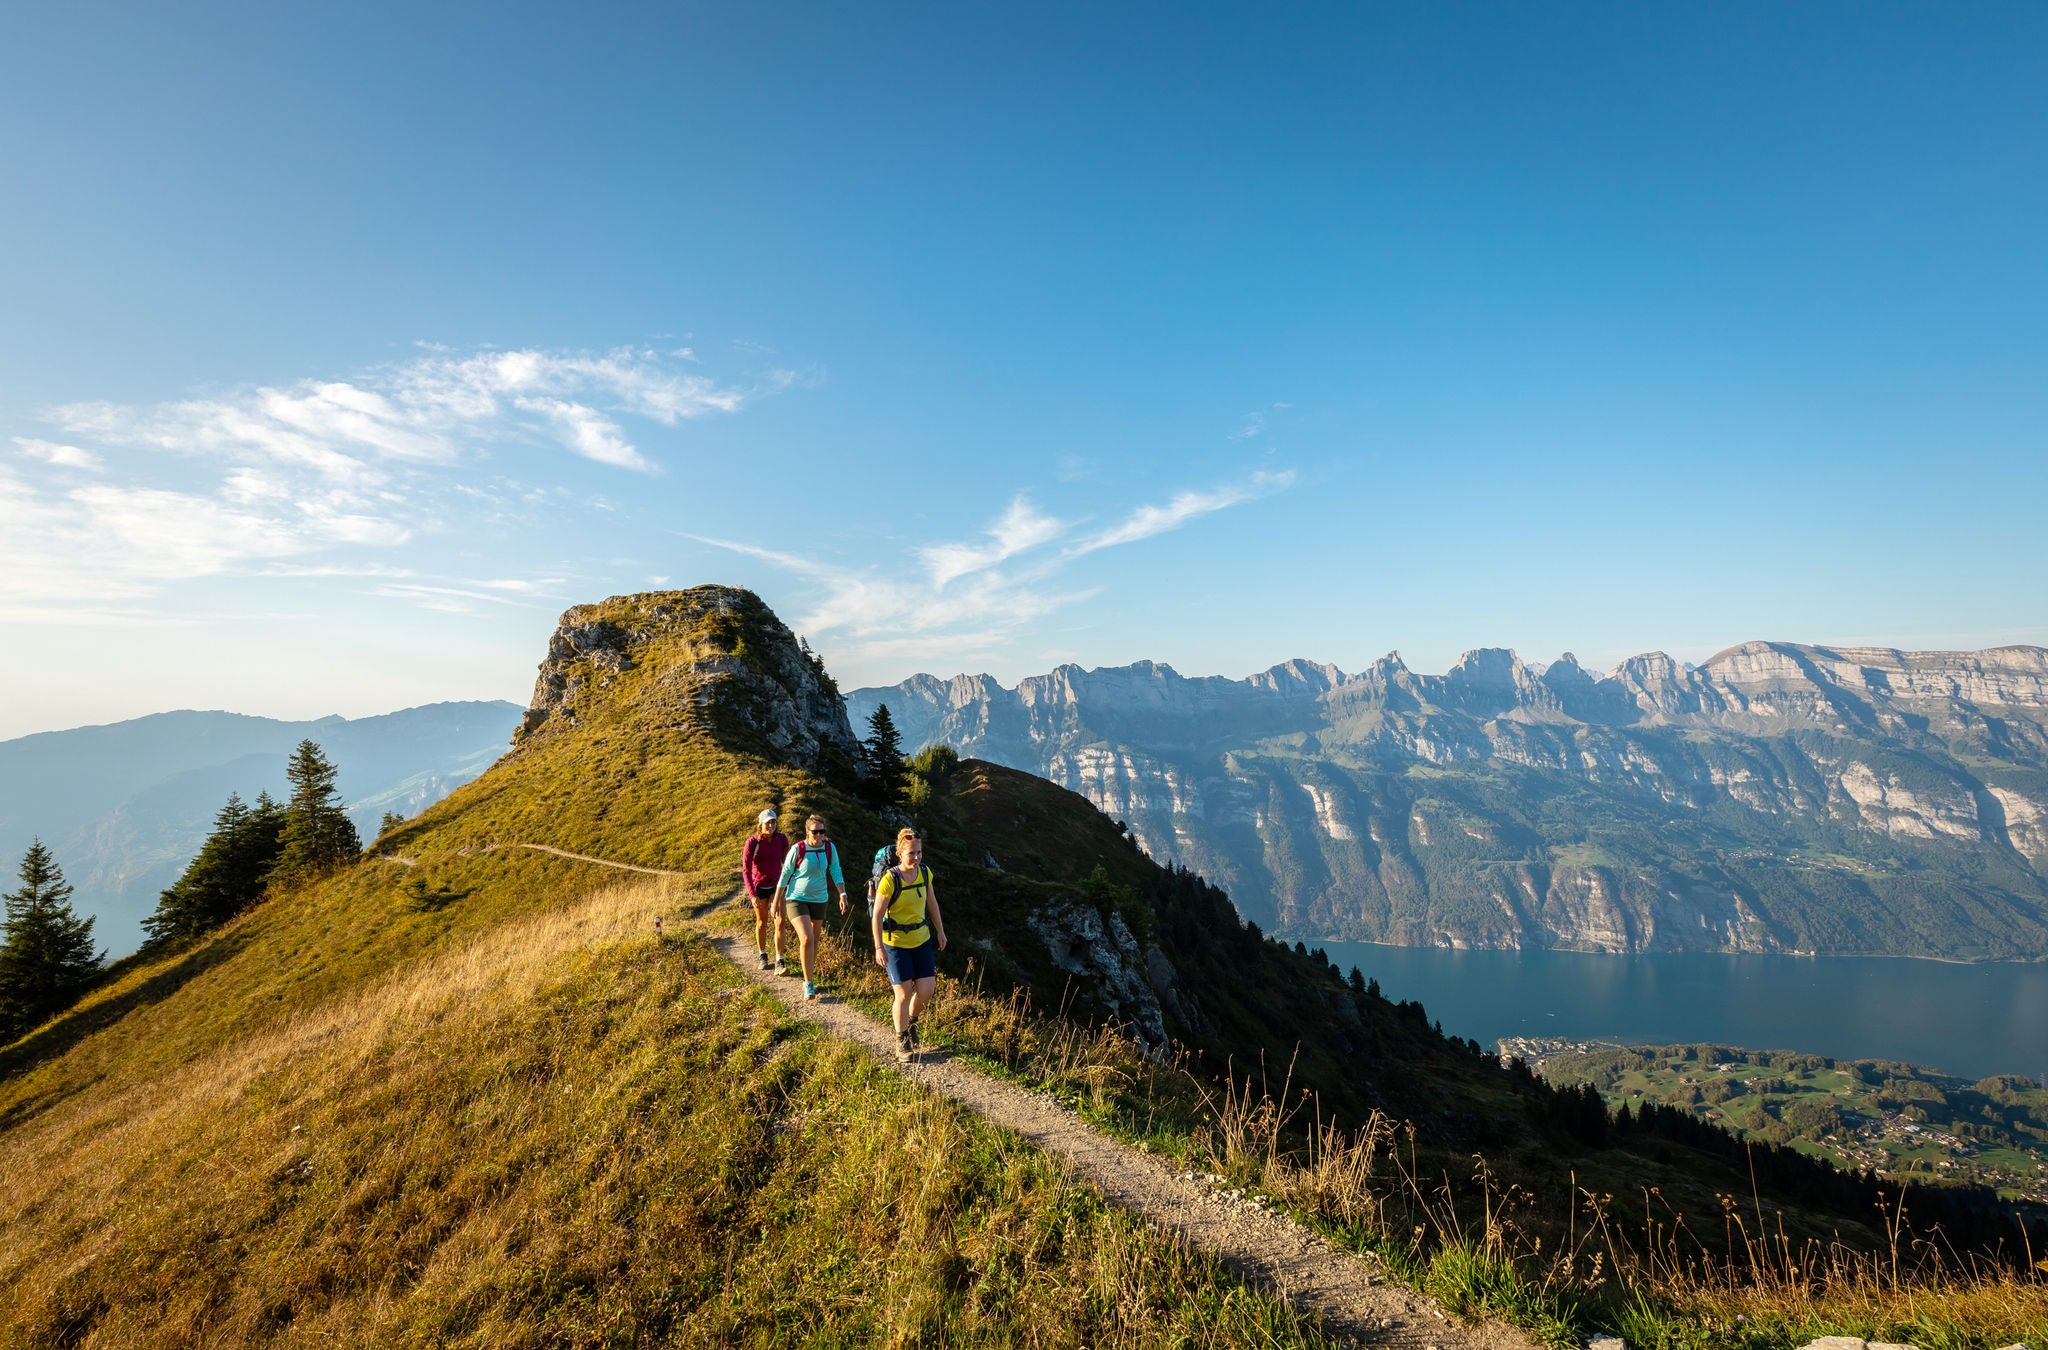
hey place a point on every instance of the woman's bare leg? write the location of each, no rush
(806, 945)
(920, 995)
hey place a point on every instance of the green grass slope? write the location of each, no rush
(506, 1114)
(457, 1093)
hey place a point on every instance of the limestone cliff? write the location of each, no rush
(1776, 797)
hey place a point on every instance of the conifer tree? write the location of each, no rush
(226, 877)
(882, 757)
(47, 957)
(318, 836)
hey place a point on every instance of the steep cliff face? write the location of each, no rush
(1776, 797)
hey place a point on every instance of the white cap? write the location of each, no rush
(766, 816)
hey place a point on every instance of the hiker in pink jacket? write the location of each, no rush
(761, 866)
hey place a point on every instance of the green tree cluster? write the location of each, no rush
(228, 875)
(252, 848)
(47, 958)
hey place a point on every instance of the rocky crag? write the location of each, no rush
(769, 688)
(1778, 797)
(715, 662)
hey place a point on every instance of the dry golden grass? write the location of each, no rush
(1474, 1245)
(564, 1132)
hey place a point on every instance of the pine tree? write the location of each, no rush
(47, 957)
(318, 836)
(226, 877)
(882, 757)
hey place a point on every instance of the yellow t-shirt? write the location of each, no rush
(903, 907)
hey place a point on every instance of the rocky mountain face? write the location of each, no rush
(1778, 797)
(126, 806)
(718, 653)
(648, 680)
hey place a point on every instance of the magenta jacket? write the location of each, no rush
(761, 861)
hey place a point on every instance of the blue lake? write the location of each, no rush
(1965, 1020)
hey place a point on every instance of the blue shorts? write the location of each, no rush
(912, 963)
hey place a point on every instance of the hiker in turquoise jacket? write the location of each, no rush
(811, 867)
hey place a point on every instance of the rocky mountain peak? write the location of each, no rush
(712, 655)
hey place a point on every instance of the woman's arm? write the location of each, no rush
(875, 925)
(931, 913)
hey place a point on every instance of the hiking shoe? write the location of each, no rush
(810, 990)
(906, 1049)
(915, 1043)
(766, 964)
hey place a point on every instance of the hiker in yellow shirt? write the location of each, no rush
(909, 934)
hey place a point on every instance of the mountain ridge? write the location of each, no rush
(449, 1092)
(1777, 797)
(125, 805)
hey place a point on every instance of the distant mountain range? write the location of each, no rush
(125, 806)
(1778, 797)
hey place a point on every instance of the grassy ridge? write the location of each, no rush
(566, 1133)
(512, 1110)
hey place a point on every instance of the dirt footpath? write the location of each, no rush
(1268, 1251)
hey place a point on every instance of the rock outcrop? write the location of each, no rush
(1776, 797)
(711, 653)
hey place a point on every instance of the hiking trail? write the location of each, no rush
(1353, 1296)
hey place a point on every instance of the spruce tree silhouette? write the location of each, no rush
(882, 757)
(318, 836)
(47, 959)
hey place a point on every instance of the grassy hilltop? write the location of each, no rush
(504, 1114)
(458, 1093)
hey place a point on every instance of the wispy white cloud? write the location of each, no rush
(63, 456)
(1018, 530)
(370, 461)
(109, 542)
(973, 595)
(1150, 520)
(588, 432)
(431, 410)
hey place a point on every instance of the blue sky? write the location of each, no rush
(343, 349)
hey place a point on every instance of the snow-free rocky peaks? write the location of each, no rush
(1777, 797)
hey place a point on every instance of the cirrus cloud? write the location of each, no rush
(971, 596)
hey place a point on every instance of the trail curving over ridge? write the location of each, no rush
(1354, 1298)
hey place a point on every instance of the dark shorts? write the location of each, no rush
(912, 963)
(762, 893)
(804, 909)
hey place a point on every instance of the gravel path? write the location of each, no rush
(1268, 1251)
